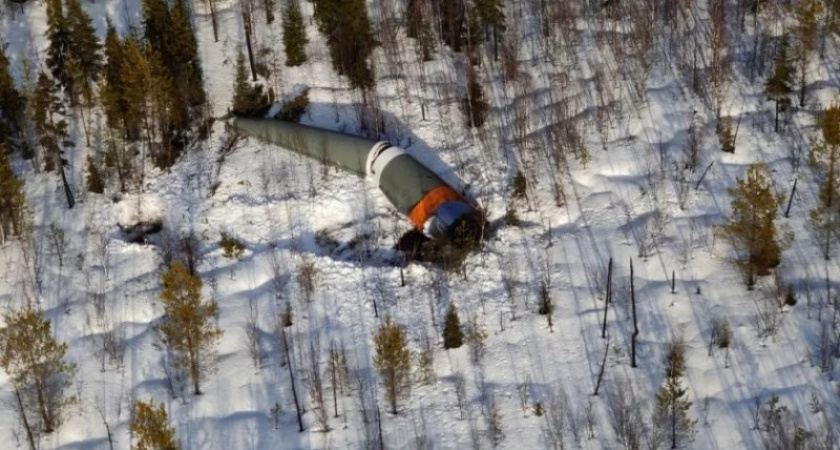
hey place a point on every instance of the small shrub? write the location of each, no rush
(538, 409)
(231, 248)
(294, 108)
(722, 333)
(545, 300)
(790, 296)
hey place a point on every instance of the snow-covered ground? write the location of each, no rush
(626, 202)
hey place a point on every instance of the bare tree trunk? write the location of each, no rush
(213, 20)
(26, 425)
(292, 378)
(635, 322)
(603, 366)
(246, 23)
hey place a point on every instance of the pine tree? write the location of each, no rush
(294, 34)
(450, 15)
(187, 327)
(346, 26)
(12, 103)
(12, 201)
(672, 402)
(807, 14)
(672, 407)
(418, 26)
(779, 86)
(134, 83)
(150, 425)
(453, 337)
(58, 49)
(825, 158)
(474, 106)
(37, 370)
(83, 49)
(752, 227)
(393, 361)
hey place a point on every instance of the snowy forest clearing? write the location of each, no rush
(616, 121)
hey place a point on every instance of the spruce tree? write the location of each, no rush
(825, 158)
(12, 201)
(418, 26)
(187, 328)
(779, 86)
(492, 16)
(453, 337)
(672, 402)
(36, 365)
(450, 15)
(58, 47)
(393, 361)
(346, 26)
(294, 34)
(12, 103)
(83, 50)
(134, 82)
(474, 106)
(150, 426)
(247, 100)
(752, 225)
(808, 14)
(110, 89)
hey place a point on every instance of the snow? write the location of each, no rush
(279, 205)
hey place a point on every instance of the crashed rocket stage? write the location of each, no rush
(434, 207)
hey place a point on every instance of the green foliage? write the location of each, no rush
(453, 337)
(520, 186)
(12, 103)
(392, 359)
(752, 227)
(294, 34)
(672, 406)
(35, 363)
(150, 426)
(450, 17)
(538, 409)
(53, 135)
(58, 47)
(231, 247)
(779, 85)
(12, 200)
(824, 157)
(474, 105)
(247, 100)
(346, 27)
(85, 59)
(187, 328)
(292, 110)
(111, 88)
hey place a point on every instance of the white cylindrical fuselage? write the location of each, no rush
(432, 205)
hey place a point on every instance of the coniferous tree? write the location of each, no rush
(393, 361)
(134, 80)
(825, 157)
(779, 86)
(35, 363)
(53, 135)
(474, 106)
(346, 26)
(58, 48)
(451, 15)
(247, 100)
(294, 34)
(418, 26)
(110, 89)
(12, 103)
(453, 337)
(672, 402)
(93, 179)
(492, 16)
(187, 327)
(807, 13)
(752, 226)
(12, 201)
(149, 424)
(83, 49)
